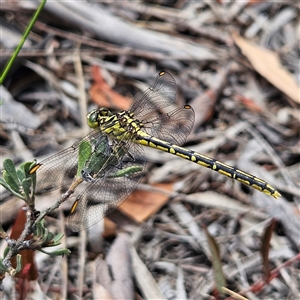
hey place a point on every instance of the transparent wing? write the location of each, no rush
(59, 169)
(173, 127)
(161, 94)
(109, 190)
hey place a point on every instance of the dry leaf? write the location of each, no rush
(100, 292)
(101, 93)
(204, 105)
(28, 254)
(140, 205)
(265, 248)
(249, 103)
(216, 261)
(110, 228)
(267, 64)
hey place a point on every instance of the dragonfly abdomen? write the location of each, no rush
(208, 162)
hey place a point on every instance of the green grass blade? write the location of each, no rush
(23, 39)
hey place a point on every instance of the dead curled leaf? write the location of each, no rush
(268, 65)
(140, 205)
(101, 93)
(27, 254)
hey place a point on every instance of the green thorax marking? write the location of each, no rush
(121, 125)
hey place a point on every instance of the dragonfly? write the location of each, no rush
(106, 173)
(115, 161)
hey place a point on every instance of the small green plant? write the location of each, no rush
(22, 184)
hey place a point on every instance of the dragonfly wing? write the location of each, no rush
(173, 127)
(161, 94)
(58, 170)
(108, 191)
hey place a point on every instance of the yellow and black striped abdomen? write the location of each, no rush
(208, 162)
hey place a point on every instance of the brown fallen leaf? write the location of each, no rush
(267, 64)
(254, 2)
(204, 104)
(140, 205)
(28, 254)
(101, 93)
(110, 228)
(216, 260)
(249, 103)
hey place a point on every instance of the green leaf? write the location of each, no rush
(23, 173)
(58, 238)
(20, 174)
(101, 152)
(4, 183)
(2, 267)
(10, 168)
(48, 238)
(59, 252)
(14, 185)
(19, 263)
(6, 250)
(19, 182)
(39, 229)
(45, 235)
(26, 166)
(84, 153)
(27, 185)
(9, 188)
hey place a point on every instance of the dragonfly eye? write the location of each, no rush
(92, 119)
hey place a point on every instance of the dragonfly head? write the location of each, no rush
(95, 117)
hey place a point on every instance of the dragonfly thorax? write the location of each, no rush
(121, 125)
